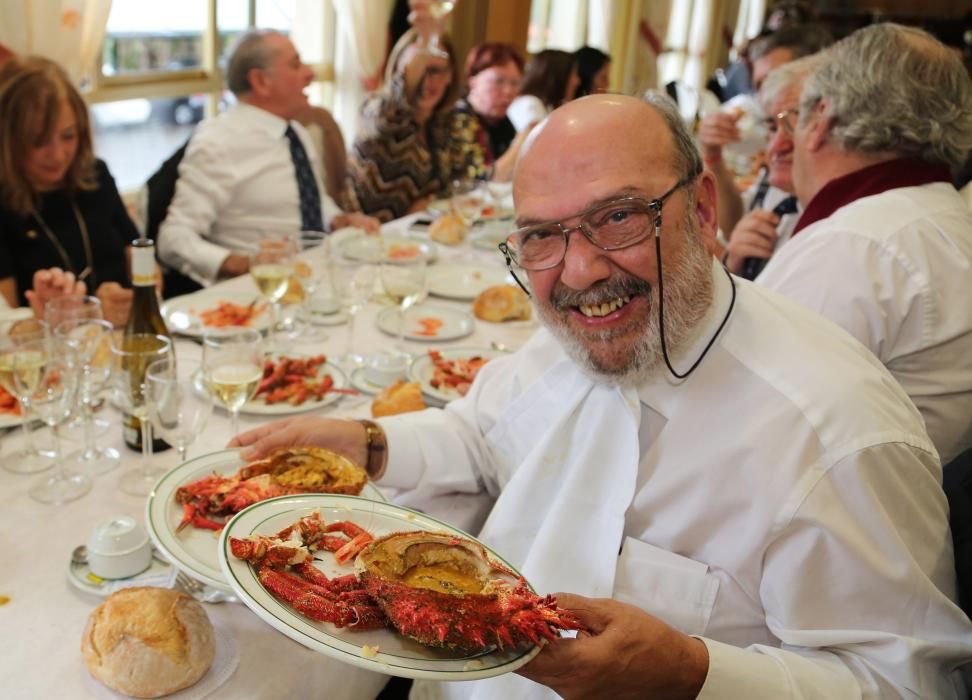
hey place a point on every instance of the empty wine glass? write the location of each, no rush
(72, 307)
(310, 271)
(439, 9)
(405, 281)
(233, 367)
(90, 342)
(52, 398)
(467, 200)
(179, 404)
(272, 267)
(25, 345)
(352, 285)
(131, 357)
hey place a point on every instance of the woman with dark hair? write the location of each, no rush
(401, 158)
(59, 207)
(593, 67)
(549, 81)
(485, 142)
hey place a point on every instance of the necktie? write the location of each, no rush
(310, 197)
(753, 266)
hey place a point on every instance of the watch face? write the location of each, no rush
(375, 442)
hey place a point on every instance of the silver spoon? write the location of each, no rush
(79, 557)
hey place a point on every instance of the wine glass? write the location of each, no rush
(18, 351)
(71, 307)
(467, 201)
(233, 367)
(90, 342)
(439, 9)
(178, 405)
(131, 357)
(310, 270)
(52, 398)
(272, 267)
(352, 284)
(404, 280)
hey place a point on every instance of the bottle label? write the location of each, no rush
(143, 266)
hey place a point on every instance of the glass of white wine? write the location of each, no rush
(23, 352)
(131, 356)
(439, 9)
(90, 341)
(179, 403)
(272, 267)
(233, 367)
(405, 281)
(53, 398)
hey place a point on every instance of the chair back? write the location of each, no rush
(161, 189)
(957, 483)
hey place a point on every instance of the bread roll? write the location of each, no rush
(148, 642)
(448, 229)
(502, 303)
(400, 397)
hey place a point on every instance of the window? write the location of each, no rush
(162, 71)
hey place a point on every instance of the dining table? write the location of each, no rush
(42, 611)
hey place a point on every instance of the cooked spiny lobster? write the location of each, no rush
(284, 472)
(436, 588)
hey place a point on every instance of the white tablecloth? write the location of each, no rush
(45, 616)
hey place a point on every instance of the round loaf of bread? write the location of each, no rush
(503, 302)
(448, 229)
(148, 642)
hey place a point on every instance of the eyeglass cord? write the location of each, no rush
(661, 312)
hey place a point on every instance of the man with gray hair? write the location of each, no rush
(251, 169)
(884, 245)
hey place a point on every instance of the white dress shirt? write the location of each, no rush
(783, 503)
(525, 110)
(895, 270)
(236, 183)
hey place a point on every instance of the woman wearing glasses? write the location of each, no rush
(59, 207)
(400, 159)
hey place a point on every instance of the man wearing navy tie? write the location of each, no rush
(250, 170)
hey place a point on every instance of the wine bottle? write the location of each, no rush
(144, 317)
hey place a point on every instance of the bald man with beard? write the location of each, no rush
(738, 498)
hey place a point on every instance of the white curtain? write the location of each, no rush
(67, 31)
(362, 35)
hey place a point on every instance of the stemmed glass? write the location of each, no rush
(25, 345)
(233, 368)
(131, 357)
(272, 267)
(404, 280)
(178, 409)
(352, 285)
(467, 200)
(439, 9)
(52, 398)
(90, 341)
(310, 270)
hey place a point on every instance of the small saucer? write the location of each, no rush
(332, 319)
(360, 382)
(159, 573)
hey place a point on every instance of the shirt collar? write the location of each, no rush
(262, 119)
(663, 390)
(874, 179)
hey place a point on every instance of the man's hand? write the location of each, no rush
(627, 654)
(234, 265)
(345, 437)
(715, 131)
(49, 284)
(370, 224)
(753, 237)
(116, 302)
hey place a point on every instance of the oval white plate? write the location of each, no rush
(193, 551)
(423, 369)
(10, 420)
(465, 282)
(455, 323)
(396, 655)
(360, 382)
(372, 249)
(490, 212)
(181, 314)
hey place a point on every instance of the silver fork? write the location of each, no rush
(202, 592)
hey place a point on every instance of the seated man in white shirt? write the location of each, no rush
(251, 170)
(774, 498)
(884, 245)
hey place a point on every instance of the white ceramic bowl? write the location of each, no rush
(386, 367)
(119, 548)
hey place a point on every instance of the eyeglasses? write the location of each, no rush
(784, 119)
(512, 83)
(618, 224)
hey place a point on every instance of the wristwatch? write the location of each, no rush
(377, 447)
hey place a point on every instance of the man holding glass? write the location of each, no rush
(778, 510)
(251, 169)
